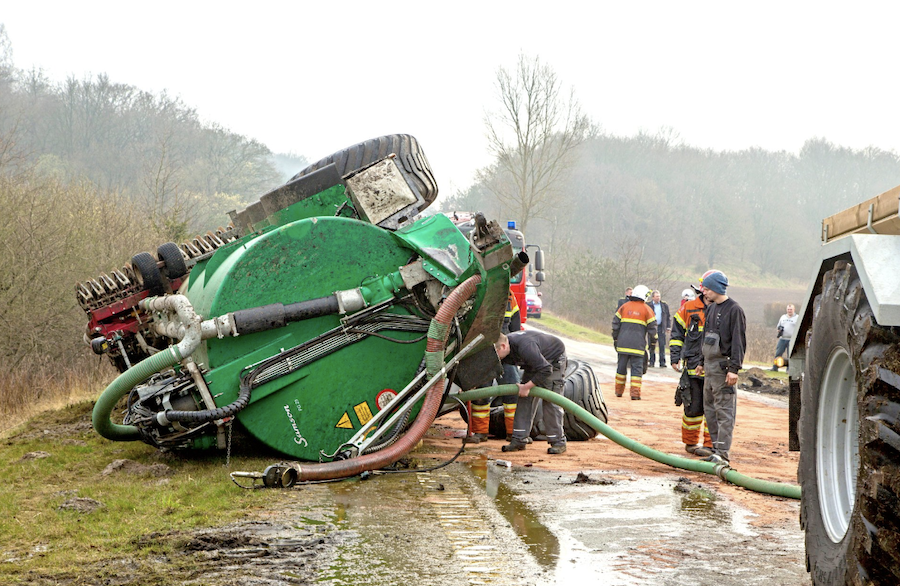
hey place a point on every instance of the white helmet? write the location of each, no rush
(641, 292)
(688, 294)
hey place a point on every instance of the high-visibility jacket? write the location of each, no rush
(512, 319)
(687, 333)
(633, 326)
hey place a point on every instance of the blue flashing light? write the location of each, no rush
(511, 224)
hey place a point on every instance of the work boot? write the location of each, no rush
(620, 390)
(514, 446)
(509, 438)
(716, 459)
(476, 438)
(556, 448)
(698, 450)
(635, 394)
(774, 369)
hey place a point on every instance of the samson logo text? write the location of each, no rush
(299, 439)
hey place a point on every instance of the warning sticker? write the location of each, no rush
(384, 398)
(363, 413)
(345, 422)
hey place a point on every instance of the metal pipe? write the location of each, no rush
(723, 471)
(437, 340)
(141, 371)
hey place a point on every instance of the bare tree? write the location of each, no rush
(532, 137)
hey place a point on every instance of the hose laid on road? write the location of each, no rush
(723, 471)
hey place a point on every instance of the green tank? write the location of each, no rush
(306, 321)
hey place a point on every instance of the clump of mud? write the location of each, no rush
(583, 478)
(756, 380)
(136, 468)
(81, 505)
(257, 553)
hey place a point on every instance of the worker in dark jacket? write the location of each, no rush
(624, 300)
(685, 352)
(632, 327)
(542, 358)
(663, 328)
(724, 344)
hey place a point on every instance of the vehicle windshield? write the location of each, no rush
(530, 290)
(518, 278)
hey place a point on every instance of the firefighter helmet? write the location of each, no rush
(688, 295)
(641, 292)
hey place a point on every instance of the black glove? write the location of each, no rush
(683, 390)
(780, 331)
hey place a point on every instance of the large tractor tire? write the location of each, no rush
(581, 388)
(850, 448)
(410, 158)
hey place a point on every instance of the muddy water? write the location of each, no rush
(486, 523)
(652, 531)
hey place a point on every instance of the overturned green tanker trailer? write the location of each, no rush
(324, 321)
(845, 398)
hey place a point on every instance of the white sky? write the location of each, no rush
(314, 77)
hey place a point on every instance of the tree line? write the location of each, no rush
(92, 172)
(650, 208)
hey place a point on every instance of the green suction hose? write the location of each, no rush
(121, 387)
(721, 470)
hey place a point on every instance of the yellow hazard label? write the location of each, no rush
(363, 413)
(345, 422)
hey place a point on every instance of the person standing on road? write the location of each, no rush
(624, 300)
(685, 350)
(664, 328)
(786, 326)
(724, 344)
(632, 325)
(542, 358)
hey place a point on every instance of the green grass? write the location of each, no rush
(563, 327)
(142, 515)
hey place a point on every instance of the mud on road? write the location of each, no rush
(597, 513)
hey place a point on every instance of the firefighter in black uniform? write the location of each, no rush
(685, 353)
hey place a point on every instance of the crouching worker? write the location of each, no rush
(542, 358)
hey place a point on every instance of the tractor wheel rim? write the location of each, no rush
(837, 445)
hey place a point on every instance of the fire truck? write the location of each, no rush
(533, 273)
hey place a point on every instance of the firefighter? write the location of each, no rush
(633, 327)
(480, 409)
(685, 351)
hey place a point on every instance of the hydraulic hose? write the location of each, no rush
(723, 471)
(434, 353)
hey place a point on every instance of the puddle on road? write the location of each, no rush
(644, 531)
(541, 542)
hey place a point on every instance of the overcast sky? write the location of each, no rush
(314, 77)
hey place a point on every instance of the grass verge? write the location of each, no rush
(563, 327)
(142, 513)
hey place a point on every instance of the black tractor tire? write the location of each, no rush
(409, 158)
(581, 387)
(170, 254)
(841, 393)
(147, 274)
